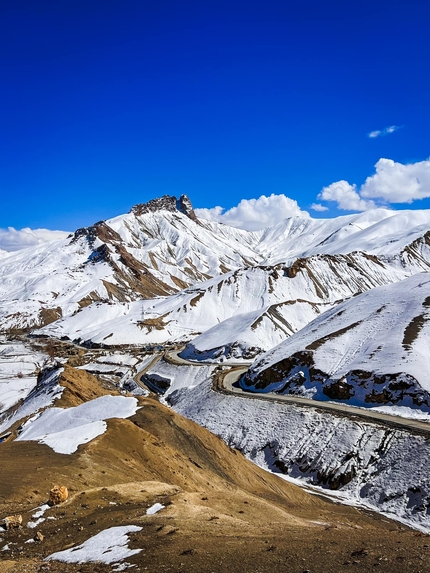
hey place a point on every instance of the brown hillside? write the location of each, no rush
(222, 512)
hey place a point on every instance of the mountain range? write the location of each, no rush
(159, 274)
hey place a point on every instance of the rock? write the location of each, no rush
(166, 203)
(38, 536)
(13, 521)
(58, 494)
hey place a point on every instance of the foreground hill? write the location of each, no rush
(216, 510)
(369, 350)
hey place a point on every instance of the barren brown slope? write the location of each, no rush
(79, 387)
(222, 512)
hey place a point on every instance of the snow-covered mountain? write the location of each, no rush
(157, 249)
(160, 274)
(368, 351)
(278, 300)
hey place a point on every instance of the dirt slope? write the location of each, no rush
(222, 512)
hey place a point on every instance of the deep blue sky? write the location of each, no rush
(106, 104)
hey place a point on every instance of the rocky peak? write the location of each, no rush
(166, 203)
(99, 230)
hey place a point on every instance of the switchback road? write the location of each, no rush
(228, 382)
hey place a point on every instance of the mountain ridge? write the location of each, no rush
(201, 273)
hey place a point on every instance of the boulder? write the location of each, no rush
(58, 494)
(13, 521)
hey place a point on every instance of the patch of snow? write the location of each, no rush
(122, 566)
(120, 359)
(108, 546)
(155, 508)
(65, 429)
(33, 524)
(41, 511)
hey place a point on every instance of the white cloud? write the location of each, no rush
(318, 207)
(12, 239)
(382, 132)
(393, 182)
(255, 214)
(398, 183)
(346, 196)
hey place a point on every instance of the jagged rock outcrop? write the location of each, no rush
(100, 230)
(166, 203)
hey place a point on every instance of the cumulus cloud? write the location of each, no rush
(393, 182)
(12, 239)
(318, 207)
(398, 183)
(255, 214)
(382, 132)
(346, 196)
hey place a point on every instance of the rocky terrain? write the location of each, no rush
(188, 501)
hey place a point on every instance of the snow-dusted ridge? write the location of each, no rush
(279, 300)
(161, 248)
(371, 350)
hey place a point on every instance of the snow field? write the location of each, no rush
(65, 429)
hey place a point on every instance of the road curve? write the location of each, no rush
(228, 382)
(138, 375)
(173, 357)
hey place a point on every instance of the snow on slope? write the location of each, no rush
(370, 350)
(161, 247)
(278, 300)
(41, 396)
(167, 378)
(361, 463)
(66, 429)
(146, 253)
(18, 368)
(51, 278)
(108, 546)
(244, 336)
(379, 232)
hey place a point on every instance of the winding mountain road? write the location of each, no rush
(227, 382)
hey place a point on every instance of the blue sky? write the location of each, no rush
(107, 104)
